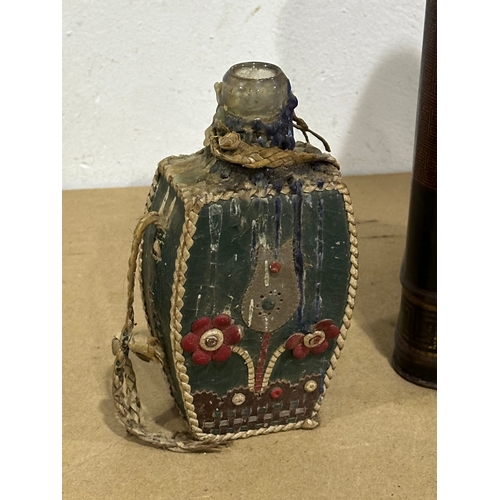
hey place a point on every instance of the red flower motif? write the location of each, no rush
(316, 342)
(210, 339)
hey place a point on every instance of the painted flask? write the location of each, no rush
(249, 285)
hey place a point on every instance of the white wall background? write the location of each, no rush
(138, 78)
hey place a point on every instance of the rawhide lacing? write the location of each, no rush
(124, 387)
(227, 145)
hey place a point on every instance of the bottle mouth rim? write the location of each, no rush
(255, 71)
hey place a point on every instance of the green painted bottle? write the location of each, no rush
(249, 281)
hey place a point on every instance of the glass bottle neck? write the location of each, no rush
(255, 100)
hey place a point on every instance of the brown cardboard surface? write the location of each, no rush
(377, 433)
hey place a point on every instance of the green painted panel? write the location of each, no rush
(157, 276)
(223, 261)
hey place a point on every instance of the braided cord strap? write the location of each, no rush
(124, 387)
(227, 145)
